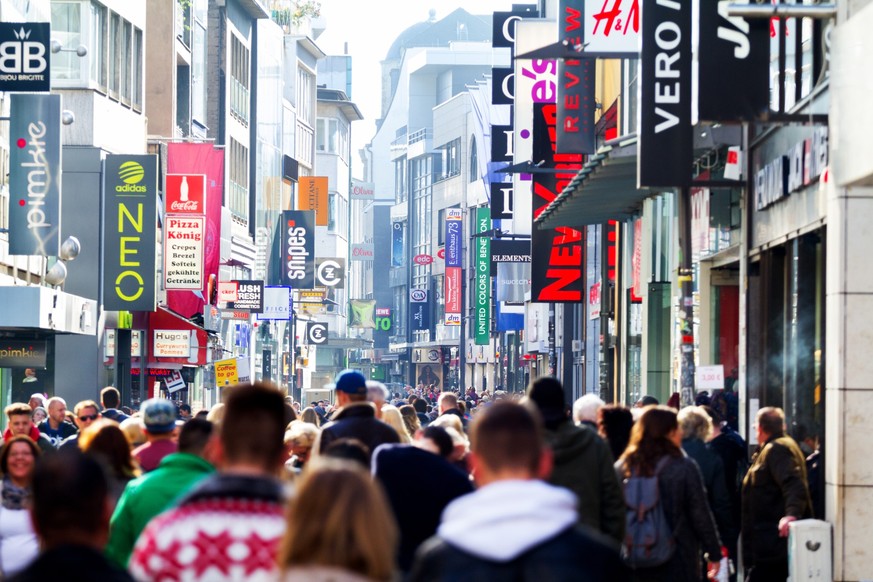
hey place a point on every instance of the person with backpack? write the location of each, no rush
(669, 522)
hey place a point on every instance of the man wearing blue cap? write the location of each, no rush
(159, 418)
(355, 418)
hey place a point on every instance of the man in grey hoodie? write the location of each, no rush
(515, 526)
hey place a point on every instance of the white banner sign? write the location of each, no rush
(183, 252)
(227, 291)
(709, 377)
(612, 28)
(172, 343)
(277, 303)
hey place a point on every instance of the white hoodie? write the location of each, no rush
(503, 520)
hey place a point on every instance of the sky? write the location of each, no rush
(370, 27)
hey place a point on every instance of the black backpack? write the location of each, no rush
(648, 538)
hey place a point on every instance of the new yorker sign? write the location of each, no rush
(130, 190)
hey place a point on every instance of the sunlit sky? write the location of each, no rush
(370, 27)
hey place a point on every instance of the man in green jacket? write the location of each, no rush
(151, 494)
(582, 462)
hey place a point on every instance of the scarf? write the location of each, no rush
(15, 497)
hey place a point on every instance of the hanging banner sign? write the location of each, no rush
(454, 232)
(419, 310)
(362, 190)
(175, 382)
(25, 57)
(277, 303)
(185, 194)
(312, 195)
(34, 174)
(171, 343)
(183, 252)
(556, 253)
(249, 297)
(362, 313)
(665, 137)
(227, 291)
(226, 372)
(316, 333)
(575, 125)
(330, 272)
(453, 295)
(130, 190)
(396, 244)
(508, 251)
(362, 252)
(612, 27)
(482, 290)
(501, 200)
(733, 65)
(298, 249)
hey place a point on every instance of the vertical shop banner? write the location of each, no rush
(483, 278)
(396, 244)
(419, 310)
(454, 262)
(665, 136)
(298, 249)
(183, 251)
(556, 253)
(312, 195)
(25, 57)
(612, 27)
(513, 281)
(453, 296)
(733, 65)
(575, 86)
(130, 191)
(501, 200)
(35, 175)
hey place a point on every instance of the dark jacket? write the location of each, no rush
(583, 464)
(712, 471)
(735, 456)
(357, 421)
(571, 556)
(72, 564)
(683, 496)
(774, 487)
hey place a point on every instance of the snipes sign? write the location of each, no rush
(298, 248)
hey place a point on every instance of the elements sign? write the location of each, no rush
(130, 190)
(298, 249)
(25, 56)
(316, 333)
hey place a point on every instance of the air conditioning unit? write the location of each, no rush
(810, 556)
(578, 346)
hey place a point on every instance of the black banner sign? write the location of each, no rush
(501, 200)
(25, 56)
(22, 354)
(502, 86)
(665, 138)
(556, 253)
(419, 310)
(298, 248)
(575, 86)
(732, 65)
(501, 143)
(508, 251)
(249, 297)
(316, 333)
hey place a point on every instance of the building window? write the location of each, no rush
(239, 80)
(474, 160)
(66, 28)
(136, 96)
(125, 64)
(448, 162)
(198, 74)
(97, 45)
(114, 49)
(238, 176)
(305, 95)
(332, 137)
(420, 216)
(332, 211)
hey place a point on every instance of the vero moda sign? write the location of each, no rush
(298, 249)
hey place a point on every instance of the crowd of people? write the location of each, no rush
(375, 486)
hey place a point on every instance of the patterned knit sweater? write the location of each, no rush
(227, 528)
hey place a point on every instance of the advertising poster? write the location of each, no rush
(482, 292)
(298, 249)
(26, 57)
(312, 195)
(429, 375)
(396, 244)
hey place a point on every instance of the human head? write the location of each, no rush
(253, 427)
(448, 401)
(133, 430)
(158, 417)
(85, 412)
(695, 423)
(299, 439)
(57, 409)
(350, 450)
(185, 411)
(19, 417)
(585, 408)
(646, 401)
(37, 400)
(410, 419)
(39, 415)
(110, 397)
(71, 501)
(614, 423)
(448, 421)
(507, 443)
(654, 435)
(391, 416)
(309, 415)
(18, 458)
(436, 440)
(377, 393)
(770, 423)
(331, 519)
(547, 395)
(350, 386)
(420, 405)
(106, 441)
(216, 414)
(195, 436)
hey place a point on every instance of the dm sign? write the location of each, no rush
(25, 58)
(130, 189)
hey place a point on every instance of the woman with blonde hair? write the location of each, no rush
(300, 436)
(330, 525)
(410, 419)
(391, 416)
(309, 415)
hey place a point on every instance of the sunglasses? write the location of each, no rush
(88, 417)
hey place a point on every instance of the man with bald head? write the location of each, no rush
(56, 427)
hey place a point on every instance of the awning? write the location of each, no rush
(604, 189)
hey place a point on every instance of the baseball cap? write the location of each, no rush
(350, 382)
(158, 415)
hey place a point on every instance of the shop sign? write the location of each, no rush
(509, 251)
(130, 189)
(612, 27)
(25, 57)
(316, 333)
(362, 252)
(482, 290)
(709, 377)
(312, 195)
(330, 272)
(237, 315)
(594, 301)
(135, 343)
(665, 136)
(422, 259)
(171, 343)
(427, 355)
(396, 244)
(384, 322)
(277, 303)
(453, 296)
(313, 296)
(419, 310)
(183, 251)
(34, 174)
(790, 172)
(185, 194)
(249, 297)
(226, 372)
(513, 281)
(501, 143)
(22, 354)
(362, 313)
(418, 296)
(362, 190)
(298, 249)
(575, 126)
(227, 291)
(454, 232)
(175, 382)
(501, 200)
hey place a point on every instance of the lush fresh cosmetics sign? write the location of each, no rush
(35, 175)
(25, 56)
(183, 252)
(482, 291)
(130, 190)
(298, 249)
(665, 95)
(249, 297)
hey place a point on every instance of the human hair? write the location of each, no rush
(331, 520)
(290, 413)
(450, 399)
(301, 434)
(85, 404)
(771, 421)
(440, 438)
(185, 408)
(650, 440)
(106, 441)
(376, 391)
(391, 416)
(70, 492)
(110, 397)
(7, 448)
(134, 430)
(410, 419)
(309, 415)
(18, 408)
(348, 449)
(194, 435)
(586, 408)
(449, 421)
(615, 422)
(216, 414)
(508, 436)
(695, 423)
(462, 406)
(420, 405)
(55, 400)
(254, 425)
(713, 414)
